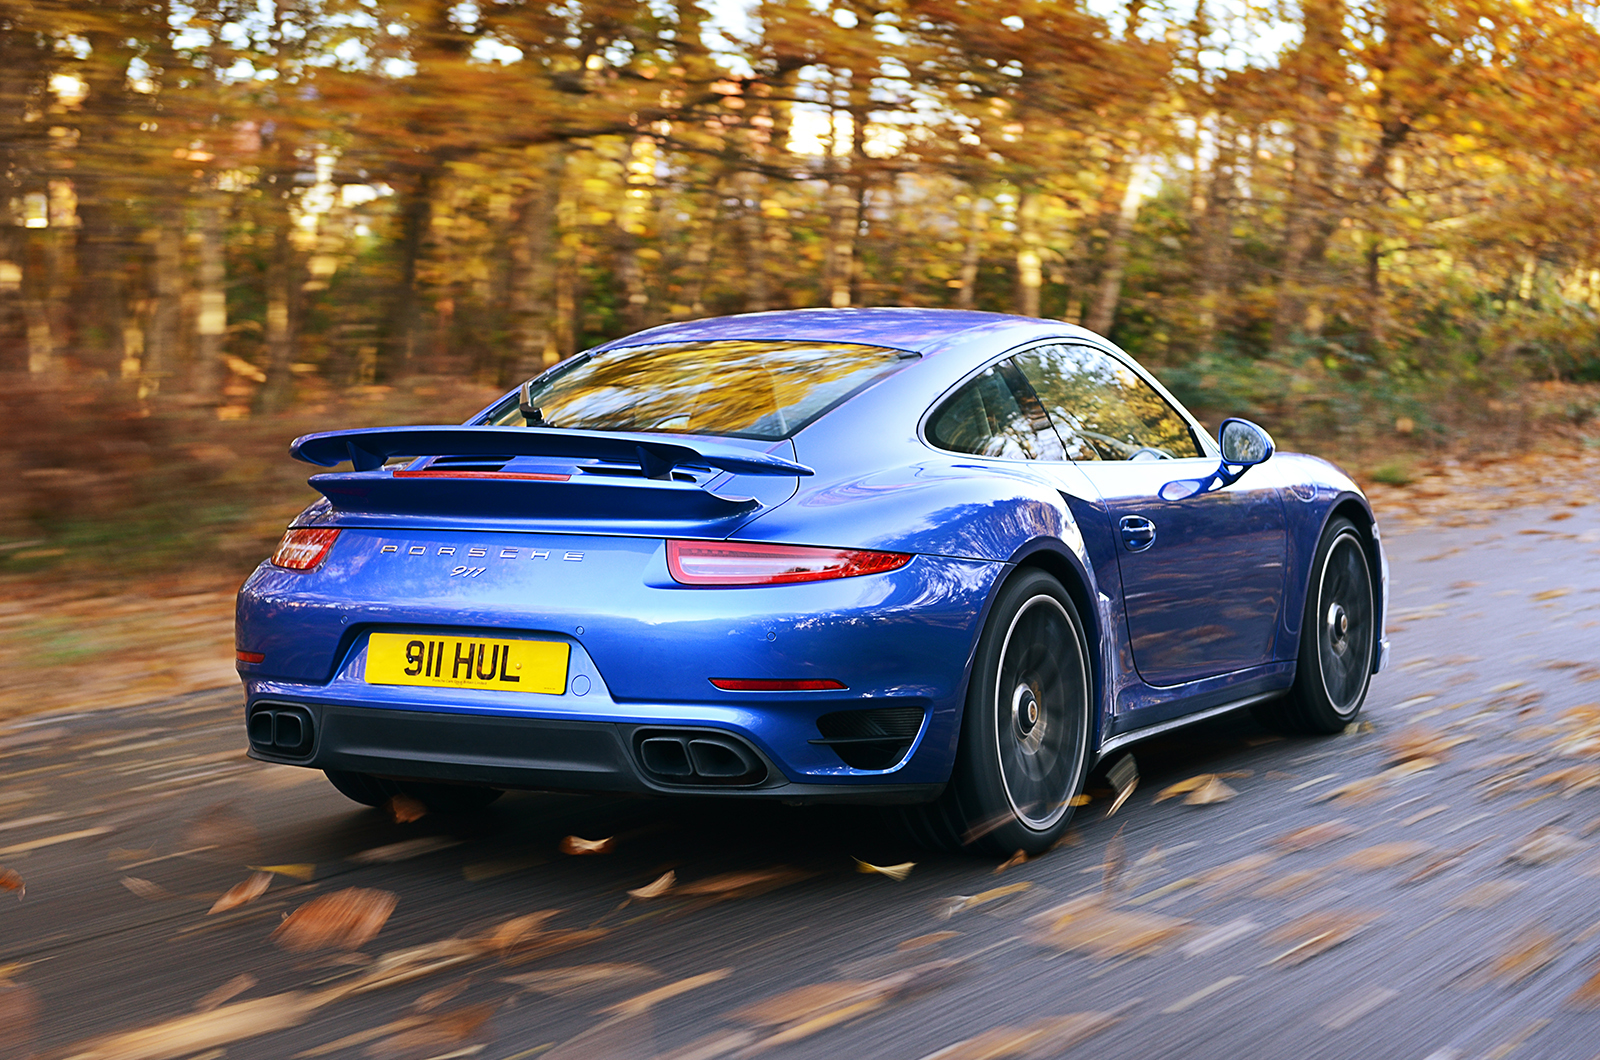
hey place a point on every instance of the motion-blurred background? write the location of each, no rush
(1371, 226)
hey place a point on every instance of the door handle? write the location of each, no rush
(1138, 533)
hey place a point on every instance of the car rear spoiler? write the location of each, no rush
(368, 448)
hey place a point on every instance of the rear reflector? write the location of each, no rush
(304, 549)
(741, 563)
(534, 476)
(759, 684)
(249, 656)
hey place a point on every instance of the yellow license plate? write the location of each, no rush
(498, 663)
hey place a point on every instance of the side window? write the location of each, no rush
(995, 414)
(1101, 409)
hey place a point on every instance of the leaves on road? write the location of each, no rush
(302, 873)
(1019, 858)
(242, 893)
(1314, 835)
(577, 845)
(648, 1000)
(1544, 845)
(583, 978)
(1382, 856)
(405, 809)
(1211, 792)
(346, 919)
(1318, 933)
(743, 884)
(153, 892)
(1042, 1040)
(11, 880)
(656, 888)
(1091, 924)
(1417, 742)
(894, 872)
(226, 992)
(962, 902)
(404, 850)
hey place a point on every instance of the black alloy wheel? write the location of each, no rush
(1025, 735)
(1337, 638)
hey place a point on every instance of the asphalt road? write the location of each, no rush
(1423, 887)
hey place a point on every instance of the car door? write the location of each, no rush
(1203, 576)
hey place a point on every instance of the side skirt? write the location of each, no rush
(1124, 739)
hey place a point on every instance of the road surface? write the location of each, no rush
(1425, 886)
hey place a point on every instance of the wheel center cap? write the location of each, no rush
(1025, 710)
(1338, 627)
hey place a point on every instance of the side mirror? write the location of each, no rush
(1244, 445)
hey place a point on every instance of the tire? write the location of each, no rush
(369, 790)
(1024, 744)
(1337, 638)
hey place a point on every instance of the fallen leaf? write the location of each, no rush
(437, 1030)
(1092, 925)
(1525, 953)
(933, 938)
(1196, 782)
(1553, 594)
(1291, 885)
(743, 884)
(1019, 858)
(1235, 876)
(549, 943)
(1318, 933)
(440, 996)
(145, 889)
(223, 828)
(1382, 856)
(583, 978)
(405, 809)
(1587, 995)
(349, 1041)
(11, 880)
(1416, 742)
(1046, 1038)
(1347, 1010)
(299, 872)
(201, 1031)
(1314, 835)
(346, 919)
(1212, 791)
(657, 887)
(894, 872)
(510, 934)
(648, 1000)
(226, 992)
(19, 1010)
(1487, 895)
(962, 902)
(1124, 778)
(1544, 845)
(577, 845)
(242, 893)
(1080, 800)
(1440, 864)
(1116, 859)
(404, 850)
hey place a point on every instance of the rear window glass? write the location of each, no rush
(744, 389)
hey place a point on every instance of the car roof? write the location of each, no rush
(897, 327)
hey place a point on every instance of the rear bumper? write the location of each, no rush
(532, 753)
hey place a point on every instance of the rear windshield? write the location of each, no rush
(743, 389)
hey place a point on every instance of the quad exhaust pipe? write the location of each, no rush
(688, 758)
(282, 730)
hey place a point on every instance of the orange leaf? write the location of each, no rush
(243, 893)
(577, 845)
(346, 919)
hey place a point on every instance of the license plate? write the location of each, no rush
(498, 663)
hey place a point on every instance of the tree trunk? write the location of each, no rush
(533, 272)
(416, 213)
(280, 304)
(211, 325)
(842, 227)
(163, 340)
(753, 230)
(1109, 292)
(1030, 266)
(1216, 227)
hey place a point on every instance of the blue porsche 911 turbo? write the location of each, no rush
(939, 560)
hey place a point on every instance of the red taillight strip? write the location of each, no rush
(762, 684)
(249, 656)
(537, 476)
(758, 563)
(304, 548)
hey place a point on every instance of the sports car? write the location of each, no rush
(935, 560)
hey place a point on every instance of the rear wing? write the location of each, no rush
(369, 448)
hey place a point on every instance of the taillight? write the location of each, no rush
(767, 684)
(743, 563)
(304, 549)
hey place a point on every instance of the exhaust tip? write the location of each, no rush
(688, 758)
(281, 730)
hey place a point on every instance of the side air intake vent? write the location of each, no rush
(282, 730)
(870, 739)
(687, 758)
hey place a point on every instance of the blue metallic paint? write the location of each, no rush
(650, 645)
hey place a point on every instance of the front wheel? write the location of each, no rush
(1337, 636)
(1025, 734)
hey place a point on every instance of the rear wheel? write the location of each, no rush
(1025, 734)
(369, 790)
(1336, 638)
